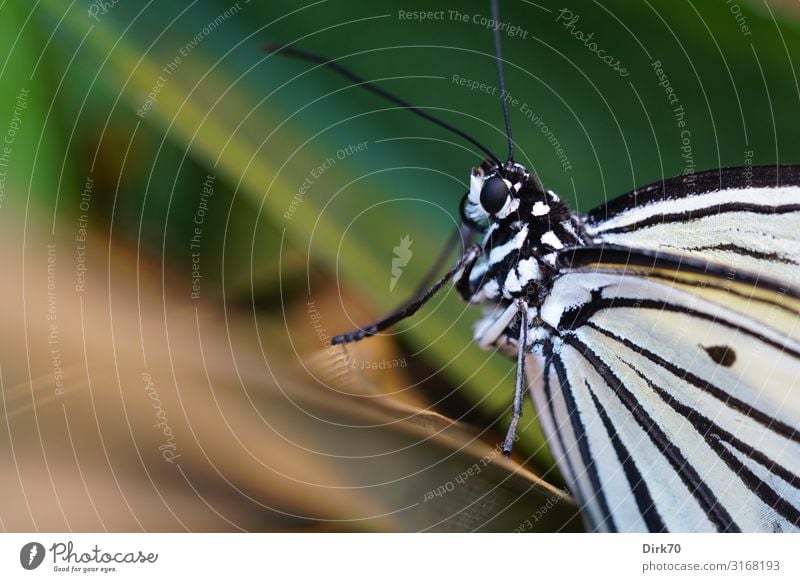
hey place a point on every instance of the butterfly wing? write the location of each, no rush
(669, 406)
(746, 218)
(670, 389)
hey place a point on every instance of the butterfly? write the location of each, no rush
(658, 334)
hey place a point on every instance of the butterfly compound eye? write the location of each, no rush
(494, 194)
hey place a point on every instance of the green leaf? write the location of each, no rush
(33, 159)
(281, 134)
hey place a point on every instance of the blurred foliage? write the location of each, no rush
(150, 100)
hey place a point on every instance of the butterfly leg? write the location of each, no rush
(519, 385)
(464, 265)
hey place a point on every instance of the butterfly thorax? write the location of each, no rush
(522, 239)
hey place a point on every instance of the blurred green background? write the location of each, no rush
(147, 101)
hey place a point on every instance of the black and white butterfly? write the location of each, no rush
(659, 335)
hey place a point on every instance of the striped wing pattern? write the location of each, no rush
(670, 391)
(712, 216)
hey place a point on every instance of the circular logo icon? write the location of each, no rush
(31, 555)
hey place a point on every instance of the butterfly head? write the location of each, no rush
(495, 193)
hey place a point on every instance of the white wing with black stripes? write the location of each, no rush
(671, 384)
(746, 218)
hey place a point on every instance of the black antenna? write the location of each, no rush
(498, 55)
(371, 87)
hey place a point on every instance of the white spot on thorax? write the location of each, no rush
(528, 270)
(550, 259)
(540, 209)
(550, 239)
(511, 284)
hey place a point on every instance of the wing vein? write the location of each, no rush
(582, 441)
(641, 493)
(712, 433)
(716, 512)
(762, 418)
(698, 213)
